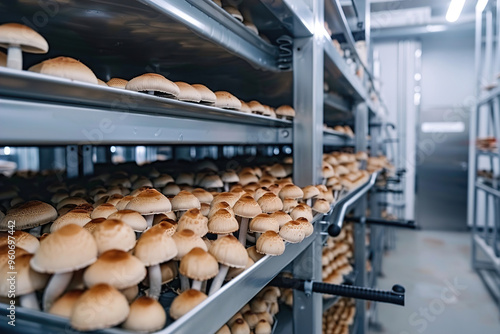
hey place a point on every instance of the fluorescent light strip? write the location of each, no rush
(454, 10)
(481, 5)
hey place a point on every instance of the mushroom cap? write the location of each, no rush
(117, 268)
(148, 202)
(230, 177)
(162, 180)
(103, 211)
(204, 209)
(229, 251)
(227, 100)
(251, 318)
(4, 254)
(291, 191)
(27, 280)
(168, 225)
(245, 108)
(292, 232)
(262, 223)
(217, 206)
(186, 240)
(270, 243)
(199, 265)
(212, 181)
(306, 226)
(263, 327)
(234, 12)
(168, 273)
(270, 203)
(361, 156)
(195, 221)
(114, 199)
(64, 305)
(155, 246)
(247, 207)
(184, 200)
(281, 217)
(310, 192)
(341, 170)
(78, 217)
(71, 200)
(187, 92)
(207, 96)
(142, 182)
(91, 225)
(122, 203)
(65, 67)
(185, 302)
(153, 82)
(202, 195)
(277, 170)
(253, 254)
(132, 218)
(117, 83)
(101, 83)
(146, 315)
(256, 107)
(28, 215)
(68, 249)
(101, 306)
(23, 240)
(228, 197)
(114, 234)
(171, 189)
(130, 293)
(185, 178)
(300, 211)
(222, 222)
(286, 111)
(248, 178)
(240, 326)
(18, 34)
(321, 205)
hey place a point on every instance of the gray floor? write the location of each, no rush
(443, 294)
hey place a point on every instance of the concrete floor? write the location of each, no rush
(443, 294)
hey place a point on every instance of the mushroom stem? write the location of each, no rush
(55, 288)
(324, 181)
(154, 273)
(251, 238)
(257, 236)
(204, 286)
(243, 230)
(309, 202)
(184, 282)
(222, 235)
(36, 231)
(15, 57)
(219, 279)
(30, 301)
(149, 219)
(196, 285)
(226, 186)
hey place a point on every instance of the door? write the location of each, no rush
(441, 159)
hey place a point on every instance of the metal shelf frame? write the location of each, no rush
(485, 239)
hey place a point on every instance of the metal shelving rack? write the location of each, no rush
(485, 120)
(41, 110)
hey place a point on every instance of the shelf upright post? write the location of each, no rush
(308, 67)
(361, 131)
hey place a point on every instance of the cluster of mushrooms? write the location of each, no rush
(337, 255)
(108, 239)
(256, 317)
(346, 129)
(338, 318)
(231, 7)
(342, 170)
(18, 38)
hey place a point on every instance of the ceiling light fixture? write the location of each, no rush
(454, 10)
